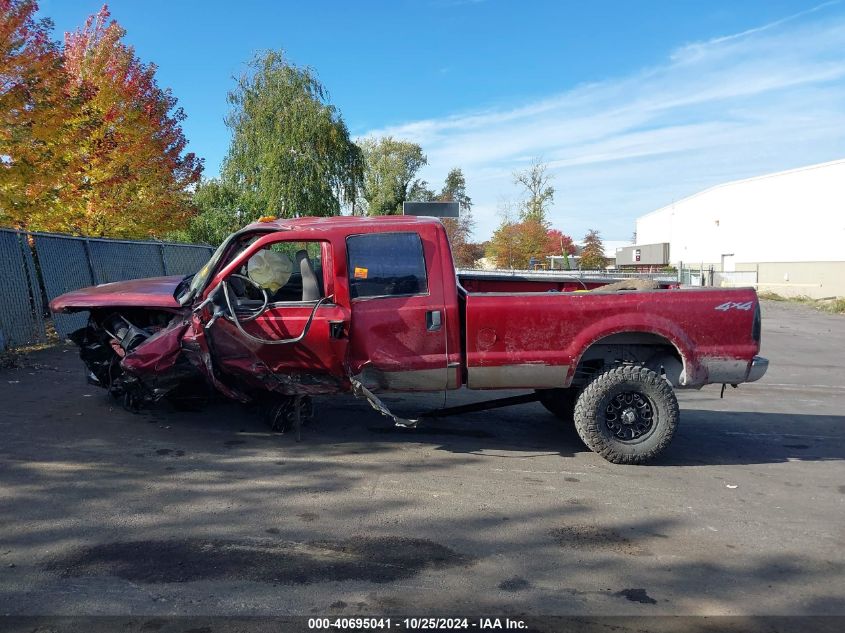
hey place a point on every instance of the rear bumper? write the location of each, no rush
(733, 371)
(758, 367)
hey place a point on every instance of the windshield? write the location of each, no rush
(233, 244)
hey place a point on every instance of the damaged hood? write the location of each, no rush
(155, 292)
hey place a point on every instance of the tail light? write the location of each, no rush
(757, 326)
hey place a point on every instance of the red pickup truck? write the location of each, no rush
(286, 309)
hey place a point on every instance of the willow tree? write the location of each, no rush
(291, 153)
(390, 169)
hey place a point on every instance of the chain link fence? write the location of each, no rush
(735, 278)
(38, 267)
(21, 311)
(708, 276)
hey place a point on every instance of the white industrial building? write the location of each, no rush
(783, 231)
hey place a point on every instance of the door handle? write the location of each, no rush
(336, 329)
(433, 320)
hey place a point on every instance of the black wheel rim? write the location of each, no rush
(629, 416)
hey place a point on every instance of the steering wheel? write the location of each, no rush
(233, 317)
(260, 310)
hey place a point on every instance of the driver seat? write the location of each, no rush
(310, 283)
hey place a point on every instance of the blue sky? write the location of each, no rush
(633, 104)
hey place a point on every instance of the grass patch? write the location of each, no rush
(16, 357)
(768, 295)
(13, 357)
(834, 305)
(8, 359)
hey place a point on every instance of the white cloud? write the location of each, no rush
(770, 98)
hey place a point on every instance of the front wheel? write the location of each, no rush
(627, 415)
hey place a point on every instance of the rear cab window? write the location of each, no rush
(386, 265)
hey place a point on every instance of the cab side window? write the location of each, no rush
(288, 271)
(385, 265)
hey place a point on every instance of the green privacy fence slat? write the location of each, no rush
(21, 318)
(64, 267)
(184, 260)
(64, 263)
(119, 261)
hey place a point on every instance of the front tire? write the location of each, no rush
(627, 415)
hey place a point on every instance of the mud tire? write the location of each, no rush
(592, 404)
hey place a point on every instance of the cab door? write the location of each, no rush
(316, 363)
(398, 326)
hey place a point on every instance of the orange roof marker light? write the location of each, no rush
(267, 218)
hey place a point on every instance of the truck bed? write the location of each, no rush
(521, 338)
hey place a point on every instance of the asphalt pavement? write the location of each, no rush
(103, 511)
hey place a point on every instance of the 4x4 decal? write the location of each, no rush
(733, 305)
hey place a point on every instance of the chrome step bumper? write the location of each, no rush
(758, 367)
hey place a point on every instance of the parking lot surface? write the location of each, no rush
(103, 511)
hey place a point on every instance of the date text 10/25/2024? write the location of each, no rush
(415, 624)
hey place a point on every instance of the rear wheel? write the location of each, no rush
(627, 415)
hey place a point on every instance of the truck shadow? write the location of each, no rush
(343, 425)
(704, 437)
(730, 437)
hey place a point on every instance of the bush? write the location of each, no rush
(835, 305)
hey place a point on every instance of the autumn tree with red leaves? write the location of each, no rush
(516, 243)
(131, 176)
(558, 243)
(89, 143)
(34, 115)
